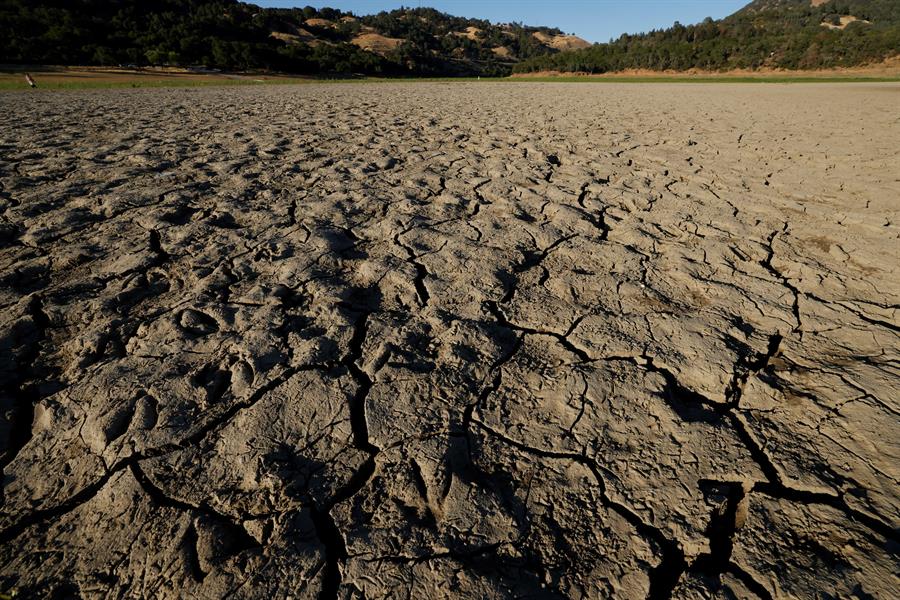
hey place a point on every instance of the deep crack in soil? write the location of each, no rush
(395, 340)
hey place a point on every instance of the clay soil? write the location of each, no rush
(451, 341)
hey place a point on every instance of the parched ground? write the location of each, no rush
(451, 340)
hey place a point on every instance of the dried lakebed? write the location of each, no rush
(451, 340)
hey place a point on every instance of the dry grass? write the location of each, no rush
(377, 43)
(88, 77)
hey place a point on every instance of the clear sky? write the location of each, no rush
(594, 20)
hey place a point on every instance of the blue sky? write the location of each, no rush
(594, 20)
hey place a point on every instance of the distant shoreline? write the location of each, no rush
(12, 77)
(886, 70)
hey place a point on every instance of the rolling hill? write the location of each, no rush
(237, 36)
(765, 34)
(232, 35)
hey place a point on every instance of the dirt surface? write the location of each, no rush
(451, 340)
(888, 68)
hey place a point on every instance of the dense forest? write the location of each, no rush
(785, 34)
(227, 34)
(231, 35)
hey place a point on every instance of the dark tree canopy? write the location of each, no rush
(785, 34)
(228, 34)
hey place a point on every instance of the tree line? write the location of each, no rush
(787, 35)
(232, 35)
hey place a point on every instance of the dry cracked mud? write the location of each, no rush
(451, 340)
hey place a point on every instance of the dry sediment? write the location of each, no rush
(451, 340)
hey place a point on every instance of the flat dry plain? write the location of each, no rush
(451, 340)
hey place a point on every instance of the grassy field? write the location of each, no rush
(75, 78)
(57, 78)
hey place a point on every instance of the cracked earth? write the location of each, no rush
(451, 340)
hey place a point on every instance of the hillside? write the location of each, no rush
(765, 34)
(227, 34)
